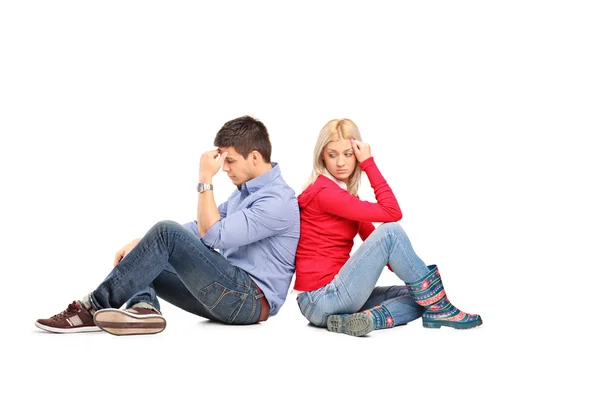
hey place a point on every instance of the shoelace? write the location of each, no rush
(71, 309)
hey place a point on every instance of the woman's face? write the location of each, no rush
(339, 159)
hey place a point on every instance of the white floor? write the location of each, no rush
(511, 356)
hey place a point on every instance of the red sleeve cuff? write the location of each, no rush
(367, 163)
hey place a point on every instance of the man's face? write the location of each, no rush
(238, 169)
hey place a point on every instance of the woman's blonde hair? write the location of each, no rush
(334, 130)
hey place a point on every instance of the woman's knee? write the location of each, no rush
(392, 228)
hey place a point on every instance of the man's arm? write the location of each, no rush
(268, 216)
(208, 213)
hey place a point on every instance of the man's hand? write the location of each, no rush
(210, 163)
(124, 251)
(362, 151)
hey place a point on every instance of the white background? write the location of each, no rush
(480, 115)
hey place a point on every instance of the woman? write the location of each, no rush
(338, 291)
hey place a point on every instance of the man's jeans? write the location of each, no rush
(174, 264)
(353, 288)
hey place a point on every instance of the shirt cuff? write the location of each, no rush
(192, 226)
(367, 163)
(211, 235)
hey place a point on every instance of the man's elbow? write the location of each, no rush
(202, 231)
(205, 227)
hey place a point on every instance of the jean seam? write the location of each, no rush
(401, 245)
(119, 274)
(310, 308)
(253, 311)
(226, 291)
(343, 284)
(237, 312)
(215, 266)
(359, 261)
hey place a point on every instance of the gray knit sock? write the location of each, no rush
(87, 304)
(143, 304)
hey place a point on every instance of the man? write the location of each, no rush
(256, 230)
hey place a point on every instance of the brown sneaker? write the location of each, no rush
(73, 320)
(131, 321)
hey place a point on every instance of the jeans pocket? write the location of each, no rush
(224, 303)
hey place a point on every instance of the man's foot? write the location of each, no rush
(74, 319)
(131, 321)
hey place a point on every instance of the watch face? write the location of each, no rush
(203, 187)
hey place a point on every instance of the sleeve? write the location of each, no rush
(223, 209)
(365, 229)
(192, 226)
(337, 201)
(267, 216)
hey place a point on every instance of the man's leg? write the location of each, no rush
(225, 291)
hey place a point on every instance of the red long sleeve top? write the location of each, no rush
(330, 218)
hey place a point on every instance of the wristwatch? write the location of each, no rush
(203, 187)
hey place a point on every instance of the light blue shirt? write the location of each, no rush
(258, 232)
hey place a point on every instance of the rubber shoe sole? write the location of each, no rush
(81, 329)
(357, 324)
(122, 323)
(452, 324)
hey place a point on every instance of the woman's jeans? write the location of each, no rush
(353, 288)
(174, 264)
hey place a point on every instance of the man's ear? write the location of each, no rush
(255, 157)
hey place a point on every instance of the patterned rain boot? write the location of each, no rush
(429, 292)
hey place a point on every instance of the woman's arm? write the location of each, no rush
(340, 202)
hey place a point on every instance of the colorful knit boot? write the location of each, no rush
(361, 323)
(429, 292)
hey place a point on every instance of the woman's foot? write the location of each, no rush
(429, 292)
(358, 324)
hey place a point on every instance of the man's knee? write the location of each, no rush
(164, 227)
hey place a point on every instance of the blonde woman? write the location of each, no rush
(338, 291)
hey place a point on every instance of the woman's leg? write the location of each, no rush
(424, 284)
(397, 300)
(354, 284)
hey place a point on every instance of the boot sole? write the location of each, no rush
(122, 323)
(354, 324)
(451, 324)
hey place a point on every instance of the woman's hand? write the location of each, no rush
(362, 151)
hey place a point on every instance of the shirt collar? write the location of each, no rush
(260, 181)
(340, 183)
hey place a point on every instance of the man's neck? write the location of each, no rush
(260, 170)
(266, 167)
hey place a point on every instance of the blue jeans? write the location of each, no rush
(353, 288)
(174, 264)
